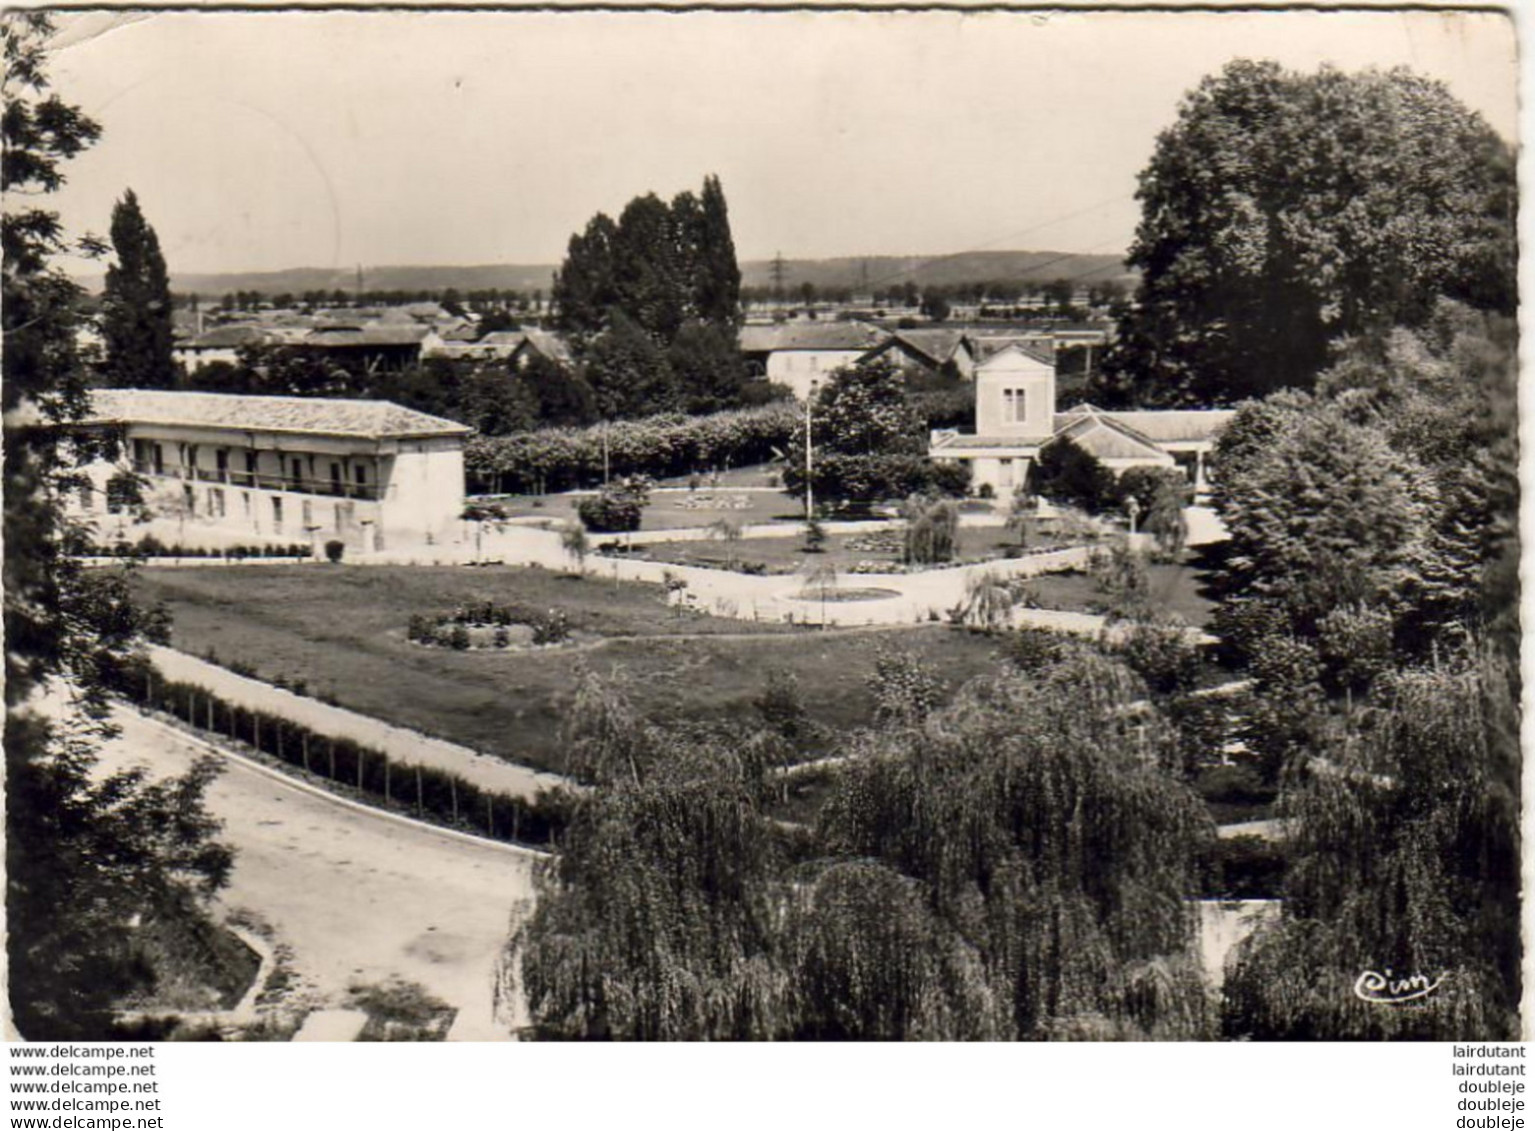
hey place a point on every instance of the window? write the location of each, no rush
(277, 515)
(245, 497)
(221, 459)
(216, 502)
(335, 476)
(362, 476)
(298, 469)
(1014, 406)
(250, 463)
(159, 460)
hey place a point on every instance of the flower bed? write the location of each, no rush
(705, 501)
(487, 625)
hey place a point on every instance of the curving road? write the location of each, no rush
(360, 896)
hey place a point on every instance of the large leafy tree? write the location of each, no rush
(867, 440)
(1282, 211)
(88, 855)
(136, 310)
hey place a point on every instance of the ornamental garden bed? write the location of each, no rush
(486, 625)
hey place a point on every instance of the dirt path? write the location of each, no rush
(338, 722)
(360, 896)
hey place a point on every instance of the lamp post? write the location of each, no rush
(809, 489)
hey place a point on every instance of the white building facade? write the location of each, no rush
(1015, 418)
(370, 474)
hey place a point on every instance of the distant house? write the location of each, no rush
(1016, 418)
(374, 345)
(929, 351)
(498, 345)
(369, 473)
(539, 343)
(801, 354)
(223, 343)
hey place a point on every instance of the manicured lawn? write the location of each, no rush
(1175, 588)
(342, 629)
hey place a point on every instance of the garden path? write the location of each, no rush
(360, 896)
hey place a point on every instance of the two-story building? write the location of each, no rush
(370, 473)
(802, 354)
(1016, 418)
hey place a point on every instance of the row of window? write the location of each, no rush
(147, 453)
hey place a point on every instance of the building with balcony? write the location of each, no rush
(371, 474)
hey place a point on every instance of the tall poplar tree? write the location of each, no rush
(136, 321)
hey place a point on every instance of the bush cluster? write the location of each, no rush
(426, 791)
(557, 459)
(617, 508)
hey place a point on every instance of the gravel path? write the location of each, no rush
(360, 896)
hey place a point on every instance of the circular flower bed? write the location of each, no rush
(487, 625)
(709, 502)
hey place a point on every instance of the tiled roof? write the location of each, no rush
(936, 345)
(1101, 435)
(374, 334)
(550, 345)
(810, 336)
(1177, 425)
(989, 349)
(226, 337)
(377, 420)
(960, 442)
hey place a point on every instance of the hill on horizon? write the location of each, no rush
(875, 271)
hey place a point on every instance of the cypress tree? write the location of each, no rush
(137, 319)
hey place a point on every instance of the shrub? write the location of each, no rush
(458, 638)
(1159, 650)
(950, 478)
(617, 508)
(1066, 473)
(552, 627)
(334, 549)
(932, 531)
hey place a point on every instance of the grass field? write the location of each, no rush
(1175, 588)
(342, 629)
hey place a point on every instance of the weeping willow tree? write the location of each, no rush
(932, 531)
(1014, 865)
(657, 919)
(1033, 818)
(1405, 863)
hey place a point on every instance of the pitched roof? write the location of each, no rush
(376, 420)
(373, 334)
(1177, 425)
(550, 345)
(810, 336)
(226, 337)
(935, 346)
(960, 441)
(1034, 353)
(1102, 435)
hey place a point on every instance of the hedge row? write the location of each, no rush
(151, 547)
(557, 459)
(424, 791)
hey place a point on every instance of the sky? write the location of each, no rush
(261, 141)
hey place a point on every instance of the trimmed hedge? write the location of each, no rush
(427, 792)
(557, 459)
(151, 547)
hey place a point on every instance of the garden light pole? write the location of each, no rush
(809, 490)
